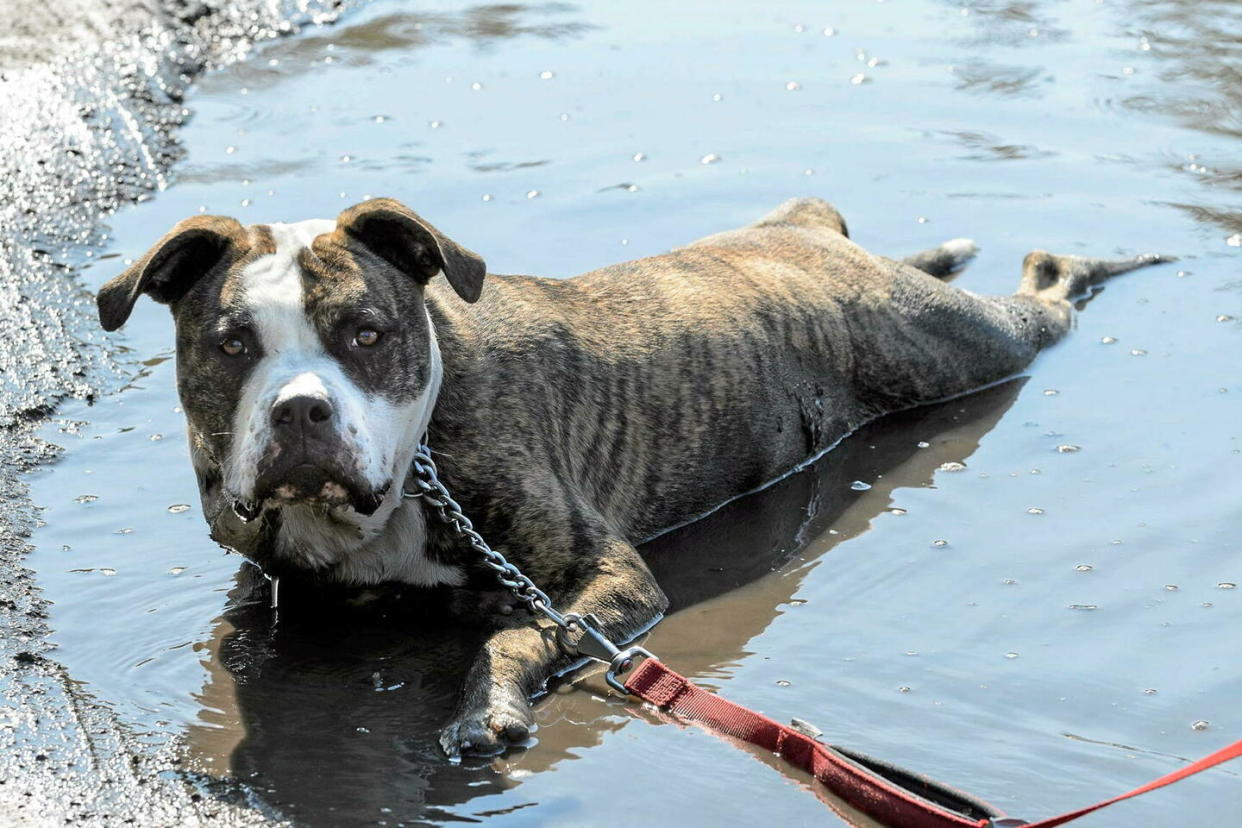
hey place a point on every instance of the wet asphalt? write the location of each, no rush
(92, 94)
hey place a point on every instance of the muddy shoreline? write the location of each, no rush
(93, 91)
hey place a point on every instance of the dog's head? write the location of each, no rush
(306, 363)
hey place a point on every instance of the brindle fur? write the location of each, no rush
(579, 417)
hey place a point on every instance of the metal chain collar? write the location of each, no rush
(589, 642)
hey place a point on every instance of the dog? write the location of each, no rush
(572, 418)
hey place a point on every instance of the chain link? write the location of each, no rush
(426, 479)
(578, 635)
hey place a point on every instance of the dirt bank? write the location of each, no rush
(92, 93)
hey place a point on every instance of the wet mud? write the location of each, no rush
(93, 97)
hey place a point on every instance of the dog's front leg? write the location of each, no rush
(610, 580)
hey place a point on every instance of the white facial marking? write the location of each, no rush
(378, 436)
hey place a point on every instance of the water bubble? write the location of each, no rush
(546, 75)
(858, 79)
(808, 171)
(1084, 607)
(1127, 70)
(107, 571)
(361, 730)
(487, 196)
(796, 602)
(1011, 655)
(178, 508)
(792, 86)
(1207, 605)
(940, 543)
(1200, 725)
(1084, 568)
(799, 28)
(903, 689)
(717, 97)
(231, 149)
(345, 159)
(923, 444)
(952, 466)
(897, 511)
(830, 32)
(860, 486)
(435, 124)
(922, 219)
(631, 188)
(126, 531)
(912, 652)
(1235, 240)
(640, 156)
(782, 683)
(1224, 317)
(564, 116)
(533, 194)
(1150, 691)
(1138, 352)
(710, 158)
(1051, 392)
(245, 202)
(1171, 587)
(1034, 510)
(176, 570)
(625, 242)
(1008, 581)
(1226, 585)
(86, 498)
(1068, 448)
(379, 119)
(476, 86)
(1108, 340)
(1182, 274)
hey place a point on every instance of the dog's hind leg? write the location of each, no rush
(1066, 278)
(926, 340)
(944, 261)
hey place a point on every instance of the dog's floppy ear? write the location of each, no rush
(170, 268)
(402, 238)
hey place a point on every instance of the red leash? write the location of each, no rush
(884, 792)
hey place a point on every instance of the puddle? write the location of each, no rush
(934, 616)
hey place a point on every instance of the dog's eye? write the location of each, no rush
(366, 337)
(233, 346)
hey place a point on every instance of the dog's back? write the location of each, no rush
(661, 387)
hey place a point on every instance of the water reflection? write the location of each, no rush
(331, 713)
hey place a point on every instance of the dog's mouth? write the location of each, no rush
(312, 485)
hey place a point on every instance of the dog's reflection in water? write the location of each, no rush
(328, 710)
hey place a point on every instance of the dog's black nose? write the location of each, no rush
(305, 414)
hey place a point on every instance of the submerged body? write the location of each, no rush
(571, 418)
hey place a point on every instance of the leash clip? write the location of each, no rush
(593, 644)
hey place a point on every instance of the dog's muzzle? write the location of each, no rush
(308, 461)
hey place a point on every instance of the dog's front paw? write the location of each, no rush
(489, 728)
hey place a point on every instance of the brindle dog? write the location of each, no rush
(572, 418)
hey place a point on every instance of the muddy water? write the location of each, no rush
(1032, 596)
